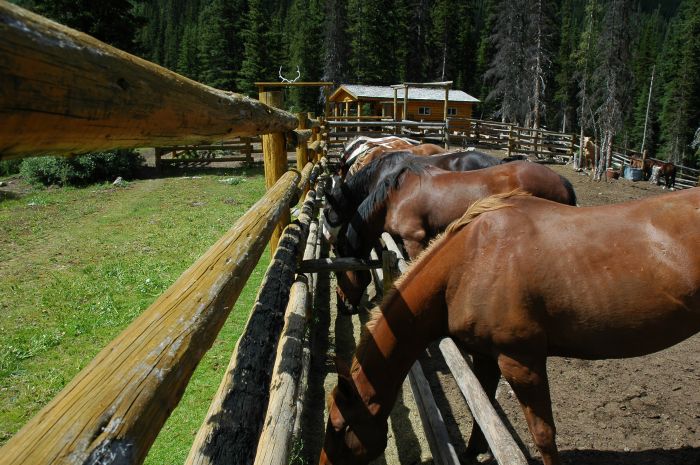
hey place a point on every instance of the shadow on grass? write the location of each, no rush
(199, 169)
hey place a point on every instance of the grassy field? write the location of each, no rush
(76, 267)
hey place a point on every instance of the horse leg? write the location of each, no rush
(488, 374)
(528, 378)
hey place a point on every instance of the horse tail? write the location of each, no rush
(488, 204)
(570, 189)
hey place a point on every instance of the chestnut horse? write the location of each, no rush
(511, 284)
(422, 150)
(666, 169)
(419, 202)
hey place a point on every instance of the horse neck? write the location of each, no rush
(411, 317)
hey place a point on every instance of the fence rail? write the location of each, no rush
(66, 92)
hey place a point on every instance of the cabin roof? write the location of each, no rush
(414, 93)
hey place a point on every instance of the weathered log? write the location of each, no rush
(275, 439)
(113, 409)
(230, 431)
(338, 264)
(504, 448)
(275, 160)
(66, 92)
(436, 433)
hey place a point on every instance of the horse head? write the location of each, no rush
(354, 434)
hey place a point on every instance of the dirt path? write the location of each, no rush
(638, 411)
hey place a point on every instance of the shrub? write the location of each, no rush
(81, 170)
(8, 167)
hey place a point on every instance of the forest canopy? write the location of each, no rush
(626, 71)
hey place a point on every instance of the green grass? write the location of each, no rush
(78, 265)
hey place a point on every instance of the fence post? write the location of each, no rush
(275, 161)
(534, 140)
(510, 140)
(302, 153)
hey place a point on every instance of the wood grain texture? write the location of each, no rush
(504, 448)
(113, 409)
(275, 438)
(232, 426)
(66, 92)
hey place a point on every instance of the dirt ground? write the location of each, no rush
(637, 411)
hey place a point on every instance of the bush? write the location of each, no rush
(8, 167)
(81, 170)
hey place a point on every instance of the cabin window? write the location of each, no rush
(423, 110)
(451, 111)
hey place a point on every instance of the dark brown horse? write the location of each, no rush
(344, 198)
(666, 169)
(417, 204)
(511, 284)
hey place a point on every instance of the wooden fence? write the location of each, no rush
(112, 411)
(66, 92)
(544, 145)
(685, 177)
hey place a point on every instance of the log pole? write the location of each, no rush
(275, 160)
(64, 92)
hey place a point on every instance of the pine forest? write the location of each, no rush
(622, 71)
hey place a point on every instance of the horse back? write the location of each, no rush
(632, 290)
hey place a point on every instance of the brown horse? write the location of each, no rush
(588, 149)
(419, 202)
(422, 150)
(511, 284)
(666, 169)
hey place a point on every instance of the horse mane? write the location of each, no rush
(366, 175)
(485, 205)
(378, 197)
(570, 189)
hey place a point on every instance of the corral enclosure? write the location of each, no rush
(184, 320)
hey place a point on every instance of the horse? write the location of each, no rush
(357, 147)
(666, 169)
(511, 285)
(588, 149)
(344, 198)
(422, 150)
(419, 202)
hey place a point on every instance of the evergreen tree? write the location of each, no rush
(305, 17)
(113, 22)
(611, 77)
(262, 43)
(565, 64)
(366, 28)
(508, 71)
(680, 115)
(645, 55)
(220, 50)
(539, 58)
(336, 50)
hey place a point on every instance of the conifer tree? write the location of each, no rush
(220, 51)
(680, 115)
(335, 42)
